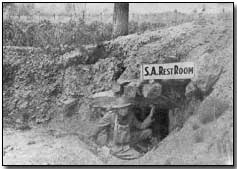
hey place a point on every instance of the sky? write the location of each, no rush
(139, 7)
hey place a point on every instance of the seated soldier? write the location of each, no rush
(127, 129)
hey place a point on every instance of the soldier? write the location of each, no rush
(127, 129)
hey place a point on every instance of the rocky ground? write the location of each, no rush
(52, 92)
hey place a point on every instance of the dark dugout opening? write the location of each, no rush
(160, 125)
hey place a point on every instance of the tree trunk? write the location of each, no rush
(120, 19)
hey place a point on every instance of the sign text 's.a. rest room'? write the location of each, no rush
(179, 70)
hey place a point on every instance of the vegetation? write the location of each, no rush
(48, 35)
(24, 25)
(54, 35)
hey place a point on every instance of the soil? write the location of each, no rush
(39, 147)
(55, 139)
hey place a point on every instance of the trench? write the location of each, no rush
(166, 117)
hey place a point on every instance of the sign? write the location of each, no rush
(179, 70)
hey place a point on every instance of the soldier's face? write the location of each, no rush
(123, 111)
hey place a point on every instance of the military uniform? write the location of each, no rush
(127, 129)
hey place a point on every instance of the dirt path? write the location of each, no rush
(40, 147)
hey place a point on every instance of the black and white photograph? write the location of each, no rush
(118, 83)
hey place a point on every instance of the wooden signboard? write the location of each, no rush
(179, 70)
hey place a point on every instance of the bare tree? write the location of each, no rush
(120, 19)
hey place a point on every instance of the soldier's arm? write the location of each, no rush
(137, 123)
(103, 123)
(146, 123)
